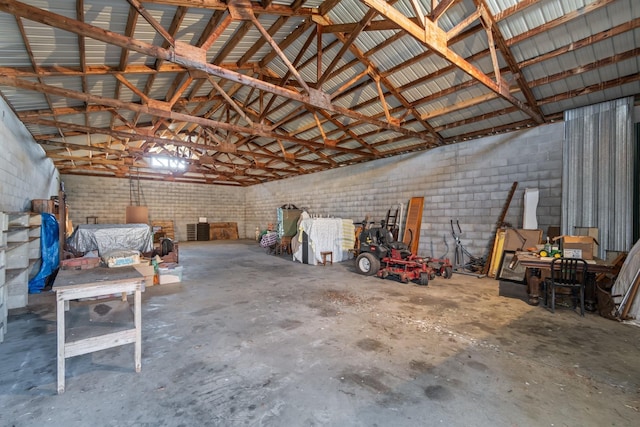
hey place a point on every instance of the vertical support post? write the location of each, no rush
(319, 54)
(138, 325)
(61, 341)
(62, 222)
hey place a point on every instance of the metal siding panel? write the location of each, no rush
(160, 85)
(101, 85)
(109, 16)
(597, 155)
(41, 130)
(347, 11)
(14, 53)
(193, 24)
(280, 36)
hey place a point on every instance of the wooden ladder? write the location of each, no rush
(394, 217)
(391, 222)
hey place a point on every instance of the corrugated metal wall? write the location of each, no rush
(597, 172)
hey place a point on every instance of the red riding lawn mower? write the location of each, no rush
(381, 255)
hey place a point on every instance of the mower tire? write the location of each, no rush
(367, 264)
(424, 279)
(446, 272)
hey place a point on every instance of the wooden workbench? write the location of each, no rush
(98, 282)
(538, 268)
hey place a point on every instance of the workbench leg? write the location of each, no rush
(138, 323)
(61, 340)
(532, 276)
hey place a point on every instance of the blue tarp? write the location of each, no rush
(49, 250)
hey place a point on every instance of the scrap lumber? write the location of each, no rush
(499, 224)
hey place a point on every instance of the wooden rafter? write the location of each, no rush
(494, 34)
(440, 8)
(435, 39)
(315, 98)
(239, 117)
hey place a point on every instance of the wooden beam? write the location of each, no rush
(597, 87)
(126, 152)
(281, 54)
(579, 44)
(463, 25)
(152, 21)
(230, 101)
(441, 8)
(143, 96)
(347, 43)
(493, 32)
(293, 37)
(315, 98)
(143, 135)
(435, 39)
(591, 7)
(377, 25)
(273, 29)
(516, 8)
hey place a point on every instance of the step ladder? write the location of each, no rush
(391, 222)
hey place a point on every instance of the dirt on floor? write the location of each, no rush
(254, 339)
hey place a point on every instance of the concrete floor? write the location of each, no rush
(254, 339)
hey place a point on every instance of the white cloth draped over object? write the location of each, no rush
(529, 219)
(324, 235)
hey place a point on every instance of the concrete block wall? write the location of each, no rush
(25, 172)
(108, 198)
(468, 182)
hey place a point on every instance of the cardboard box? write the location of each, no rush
(577, 246)
(147, 271)
(589, 231)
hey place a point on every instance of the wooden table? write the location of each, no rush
(98, 282)
(539, 268)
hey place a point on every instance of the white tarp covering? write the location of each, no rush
(325, 234)
(111, 237)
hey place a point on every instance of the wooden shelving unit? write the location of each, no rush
(22, 255)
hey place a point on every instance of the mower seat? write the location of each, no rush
(401, 246)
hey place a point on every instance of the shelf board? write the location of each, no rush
(13, 245)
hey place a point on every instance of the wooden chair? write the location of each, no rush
(568, 273)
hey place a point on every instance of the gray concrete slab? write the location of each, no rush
(255, 339)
